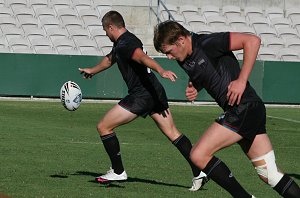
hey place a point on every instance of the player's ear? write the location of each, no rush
(180, 41)
(110, 27)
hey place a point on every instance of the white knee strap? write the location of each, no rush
(268, 168)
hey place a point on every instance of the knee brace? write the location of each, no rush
(266, 168)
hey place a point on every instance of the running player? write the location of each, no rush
(209, 62)
(146, 96)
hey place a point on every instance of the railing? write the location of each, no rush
(156, 10)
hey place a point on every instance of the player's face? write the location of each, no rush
(174, 51)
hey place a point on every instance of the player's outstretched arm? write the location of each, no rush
(91, 71)
(142, 58)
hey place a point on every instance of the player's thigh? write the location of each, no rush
(260, 146)
(115, 117)
(165, 123)
(215, 138)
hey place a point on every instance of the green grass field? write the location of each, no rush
(46, 151)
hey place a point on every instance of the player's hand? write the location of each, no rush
(87, 73)
(191, 92)
(169, 74)
(235, 91)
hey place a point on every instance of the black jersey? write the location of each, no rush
(138, 78)
(213, 66)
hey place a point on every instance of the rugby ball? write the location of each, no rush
(70, 95)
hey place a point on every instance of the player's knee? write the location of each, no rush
(267, 169)
(197, 157)
(193, 156)
(101, 128)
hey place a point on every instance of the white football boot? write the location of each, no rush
(199, 181)
(111, 176)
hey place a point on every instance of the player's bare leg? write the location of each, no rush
(115, 117)
(214, 139)
(165, 123)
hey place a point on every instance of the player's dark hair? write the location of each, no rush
(113, 18)
(168, 33)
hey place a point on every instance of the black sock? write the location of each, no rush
(220, 173)
(112, 147)
(184, 145)
(287, 188)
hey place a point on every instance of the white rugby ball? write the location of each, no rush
(70, 95)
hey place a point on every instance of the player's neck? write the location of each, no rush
(189, 45)
(119, 32)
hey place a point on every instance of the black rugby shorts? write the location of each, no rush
(145, 104)
(247, 119)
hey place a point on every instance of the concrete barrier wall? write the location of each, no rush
(43, 75)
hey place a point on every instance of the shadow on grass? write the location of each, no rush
(116, 184)
(59, 176)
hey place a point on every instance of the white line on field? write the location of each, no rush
(286, 119)
(127, 143)
(123, 143)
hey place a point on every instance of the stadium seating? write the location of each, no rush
(6, 12)
(252, 11)
(266, 32)
(13, 4)
(274, 43)
(82, 5)
(231, 11)
(293, 43)
(280, 22)
(288, 54)
(274, 12)
(4, 45)
(20, 45)
(2, 3)
(36, 4)
(292, 12)
(189, 11)
(23, 23)
(170, 8)
(210, 10)
(34, 33)
(216, 20)
(266, 53)
(238, 21)
(195, 20)
(42, 45)
(287, 33)
(273, 24)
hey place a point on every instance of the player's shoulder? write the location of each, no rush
(129, 39)
(212, 40)
(214, 35)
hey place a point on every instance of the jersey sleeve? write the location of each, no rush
(217, 44)
(127, 49)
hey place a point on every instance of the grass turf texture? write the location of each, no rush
(47, 151)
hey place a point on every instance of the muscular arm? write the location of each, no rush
(140, 57)
(250, 45)
(101, 66)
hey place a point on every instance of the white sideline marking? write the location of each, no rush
(126, 143)
(286, 119)
(123, 143)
